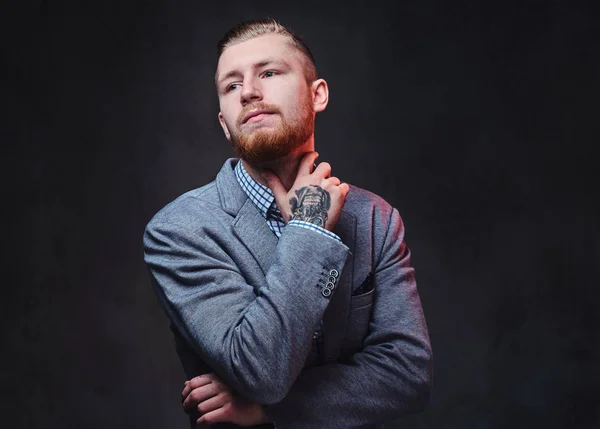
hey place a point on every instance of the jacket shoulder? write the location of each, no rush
(361, 203)
(189, 209)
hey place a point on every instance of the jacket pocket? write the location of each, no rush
(362, 300)
(361, 307)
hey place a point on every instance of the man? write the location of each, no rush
(291, 294)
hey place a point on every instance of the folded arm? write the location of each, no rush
(256, 342)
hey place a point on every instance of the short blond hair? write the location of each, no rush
(258, 27)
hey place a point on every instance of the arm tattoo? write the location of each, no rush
(310, 205)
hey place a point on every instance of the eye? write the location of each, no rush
(269, 73)
(231, 87)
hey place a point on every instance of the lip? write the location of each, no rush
(254, 113)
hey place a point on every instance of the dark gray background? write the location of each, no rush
(478, 120)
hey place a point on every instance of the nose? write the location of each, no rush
(250, 92)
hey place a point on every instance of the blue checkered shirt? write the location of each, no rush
(264, 199)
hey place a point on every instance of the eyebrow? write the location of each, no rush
(260, 64)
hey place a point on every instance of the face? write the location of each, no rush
(267, 107)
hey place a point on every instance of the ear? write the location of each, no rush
(320, 92)
(224, 126)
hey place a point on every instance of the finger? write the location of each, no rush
(218, 415)
(194, 383)
(344, 188)
(213, 403)
(334, 181)
(198, 395)
(323, 170)
(306, 164)
(201, 380)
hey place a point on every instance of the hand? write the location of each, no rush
(216, 402)
(314, 197)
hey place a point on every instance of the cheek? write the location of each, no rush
(229, 117)
(229, 107)
(294, 105)
(287, 95)
(302, 106)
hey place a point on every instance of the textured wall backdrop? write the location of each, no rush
(477, 120)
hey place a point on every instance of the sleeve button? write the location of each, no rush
(334, 273)
(326, 292)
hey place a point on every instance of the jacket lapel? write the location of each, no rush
(249, 225)
(336, 315)
(251, 228)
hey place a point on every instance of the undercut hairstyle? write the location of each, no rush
(259, 27)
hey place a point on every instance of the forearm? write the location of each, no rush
(256, 342)
(376, 385)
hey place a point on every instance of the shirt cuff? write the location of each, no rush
(313, 227)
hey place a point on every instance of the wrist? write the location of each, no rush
(313, 227)
(256, 416)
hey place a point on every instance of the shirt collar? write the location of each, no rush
(260, 195)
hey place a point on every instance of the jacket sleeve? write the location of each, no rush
(390, 376)
(256, 342)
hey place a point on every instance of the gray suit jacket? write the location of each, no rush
(245, 305)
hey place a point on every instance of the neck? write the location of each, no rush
(286, 167)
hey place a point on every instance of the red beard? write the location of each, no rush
(268, 144)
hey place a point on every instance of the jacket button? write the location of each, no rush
(330, 285)
(331, 279)
(334, 273)
(326, 292)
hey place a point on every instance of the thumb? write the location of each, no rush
(278, 190)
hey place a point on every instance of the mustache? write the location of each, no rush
(269, 108)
